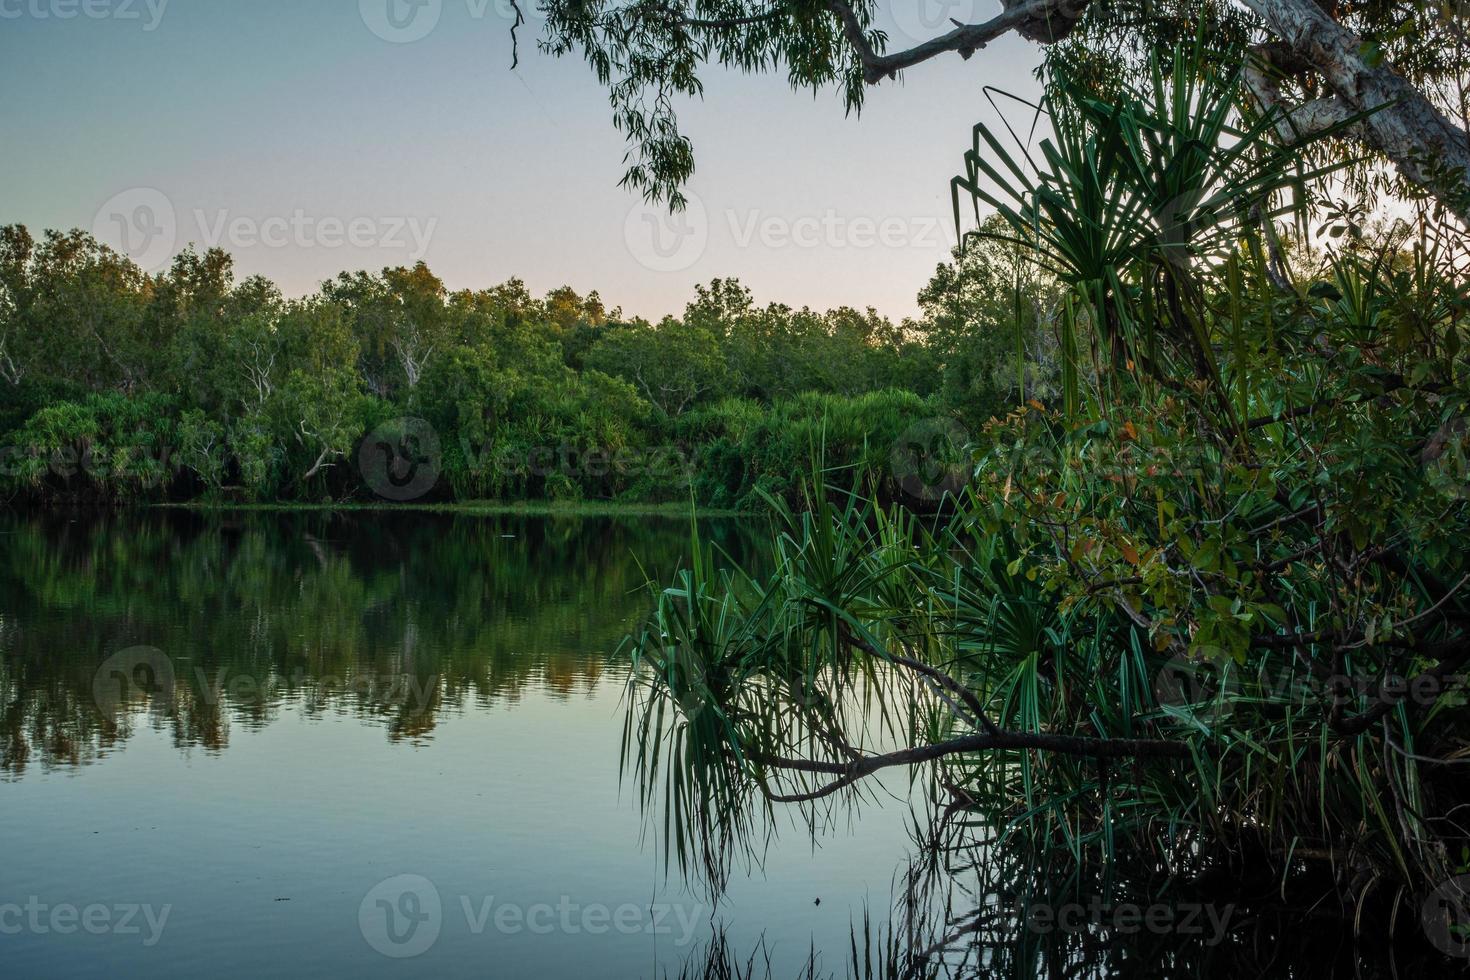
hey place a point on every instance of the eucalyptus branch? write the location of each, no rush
(515, 41)
(965, 39)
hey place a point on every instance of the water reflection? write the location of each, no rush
(198, 624)
(180, 632)
(979, 907)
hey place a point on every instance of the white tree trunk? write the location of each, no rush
(413, 354)
(1426, 147)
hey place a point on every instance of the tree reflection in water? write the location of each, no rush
(197, 622)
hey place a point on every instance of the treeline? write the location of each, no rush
(119, 385)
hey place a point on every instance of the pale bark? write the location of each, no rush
(1401, 123)
(9, 370)
(1428, 150)
(259, 370)
(1044, 21)
(325, 457)
(413, 353)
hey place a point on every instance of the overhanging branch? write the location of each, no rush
(1428, 149)
(1038, 19)
(847, 773)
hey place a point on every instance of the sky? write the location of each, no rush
(308, 137)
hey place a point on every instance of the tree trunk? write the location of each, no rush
(1427, 148)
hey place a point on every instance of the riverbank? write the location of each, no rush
(478, 508)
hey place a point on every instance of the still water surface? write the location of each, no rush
(363, 736)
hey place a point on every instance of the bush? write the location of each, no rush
(104, 447)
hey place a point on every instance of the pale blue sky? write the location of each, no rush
(306, 144)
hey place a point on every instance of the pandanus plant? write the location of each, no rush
(1128, 195)
(1257, 484)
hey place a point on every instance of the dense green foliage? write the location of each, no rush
(122, 386)
(1201, 614)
